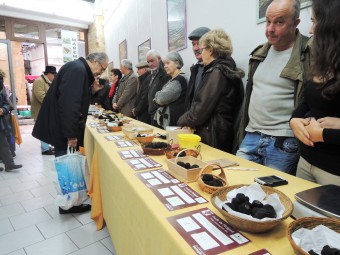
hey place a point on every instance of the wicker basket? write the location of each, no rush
(249, 225)
(154, 151)
(188, 152)
(207, 171)
(114, 128)
(131, 132)
(310, 223)
(145, 139)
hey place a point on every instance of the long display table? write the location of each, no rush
(137, 220)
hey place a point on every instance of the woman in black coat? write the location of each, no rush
(219, 96)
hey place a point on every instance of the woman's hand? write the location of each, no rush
(315, 130)
(298, 125)
(330, 122)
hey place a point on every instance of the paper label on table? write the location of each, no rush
(223, 162)
(130, 154)
(114, 137)
(124, 144)
(102, 130)
(260, 252)
(207, 233)
(169, 190)
(163, 176)
(94, 124)
(143, 163)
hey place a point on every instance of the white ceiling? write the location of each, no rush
(76, 13)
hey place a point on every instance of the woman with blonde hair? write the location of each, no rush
(219, 94)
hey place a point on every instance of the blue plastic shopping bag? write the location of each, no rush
(72, 189)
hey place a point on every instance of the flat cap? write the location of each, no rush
(198, 33)
(142, 64)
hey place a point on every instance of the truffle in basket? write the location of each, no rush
(187, 165)
(256, 209)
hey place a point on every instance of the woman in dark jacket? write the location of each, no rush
(219, 95)
(170, 99)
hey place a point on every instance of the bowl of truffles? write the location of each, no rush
(252, 208)
(155, 148)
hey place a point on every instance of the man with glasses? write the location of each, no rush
(39, 90)
(62, 117)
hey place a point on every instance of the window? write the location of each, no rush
(22, 30)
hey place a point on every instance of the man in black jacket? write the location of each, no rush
(197, 69)
(62, 117)
(141, 106)
(5, 152)
(158, 79)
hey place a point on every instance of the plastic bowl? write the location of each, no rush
(189, 141)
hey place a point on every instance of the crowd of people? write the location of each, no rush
(287, 118)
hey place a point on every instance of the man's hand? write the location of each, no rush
(2, 112)
(298, 126)
(72, 142)
(115, 106)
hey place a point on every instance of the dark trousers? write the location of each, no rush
(60, 150)
(5, 152)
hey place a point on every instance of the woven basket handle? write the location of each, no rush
(176, 158)
(207, 169)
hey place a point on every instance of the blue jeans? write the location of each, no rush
(44, 146)
(271, 151)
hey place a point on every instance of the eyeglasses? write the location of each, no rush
(103, 69)
(201, 49)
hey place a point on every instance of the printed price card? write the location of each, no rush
(207, 233)
(114, 137)
(124, 144)
(102, 130)
(94, 124)
(169, 190)
(129, 154)
(143, 163)
(261, 252)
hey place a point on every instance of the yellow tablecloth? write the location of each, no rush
(137, 220)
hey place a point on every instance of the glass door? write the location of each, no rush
(6, 69)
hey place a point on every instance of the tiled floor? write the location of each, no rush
(29, 219)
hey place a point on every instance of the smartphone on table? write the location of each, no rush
(271, 180)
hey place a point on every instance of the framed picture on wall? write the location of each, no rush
(122, 50)
(176, 10)
(263, 4)
(143, 48)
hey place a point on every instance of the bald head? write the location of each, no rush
(292, 7)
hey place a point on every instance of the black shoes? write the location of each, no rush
(76, 209)
(11, 167)
(48, 152)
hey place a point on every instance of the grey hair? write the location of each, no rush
(153, 53)
(296, 9)
(127, 63)
(100, 57)
(176, 58)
